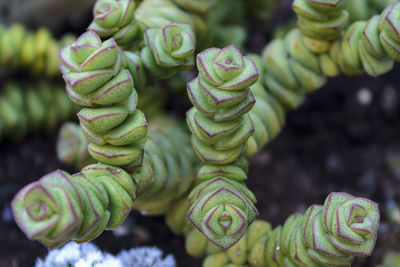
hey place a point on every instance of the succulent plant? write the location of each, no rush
(370, 46)
(222, 210)
(221, 207)
(168, 169)
(72, 146)
(41, 105)
(239, 104)
(334, 234)
(133, 62)
(116, 19)
(169, 49)
(60, 207)
(34, 52)
(95, 79)
(321, 20)
(221, 98)
(267, 114)
(364, 47)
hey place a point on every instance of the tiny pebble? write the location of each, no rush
(364, 96)
(6, 214)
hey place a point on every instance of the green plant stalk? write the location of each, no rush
(42, 105)
(334, 234)
(62, 207)
(329, 68)
(363, 48)
(267, 115)
(35, 53)
(321, 20)
(72, 143)
(297, 64)
(169, 167)
(162, 159)
(221, 205)
(98, 77)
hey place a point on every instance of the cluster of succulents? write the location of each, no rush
(33, 52)
(197, 179)
(28, 107)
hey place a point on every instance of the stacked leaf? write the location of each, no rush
(34, 52)
(370, 46)
(297, 64)
(60, 207)
(321, 20)
(221, 205)
(334, 234)
(39, 106)
(168, 169)
(96, 79)
(267, 115)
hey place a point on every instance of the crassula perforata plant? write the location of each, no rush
(222, 207)
(329, 235)
(34, 53)
(112, 18)
(169, 49)
(95, 79)
(239, 104)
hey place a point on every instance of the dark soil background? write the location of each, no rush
(345, 137)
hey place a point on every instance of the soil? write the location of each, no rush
(345, 137)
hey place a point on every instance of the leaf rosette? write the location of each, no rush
(90, 67)
(351, 223)
(60, 207)
(48, 211)
(222, 210)
(226, 68)
(328, 235)
(169, 48)
(115, 18)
